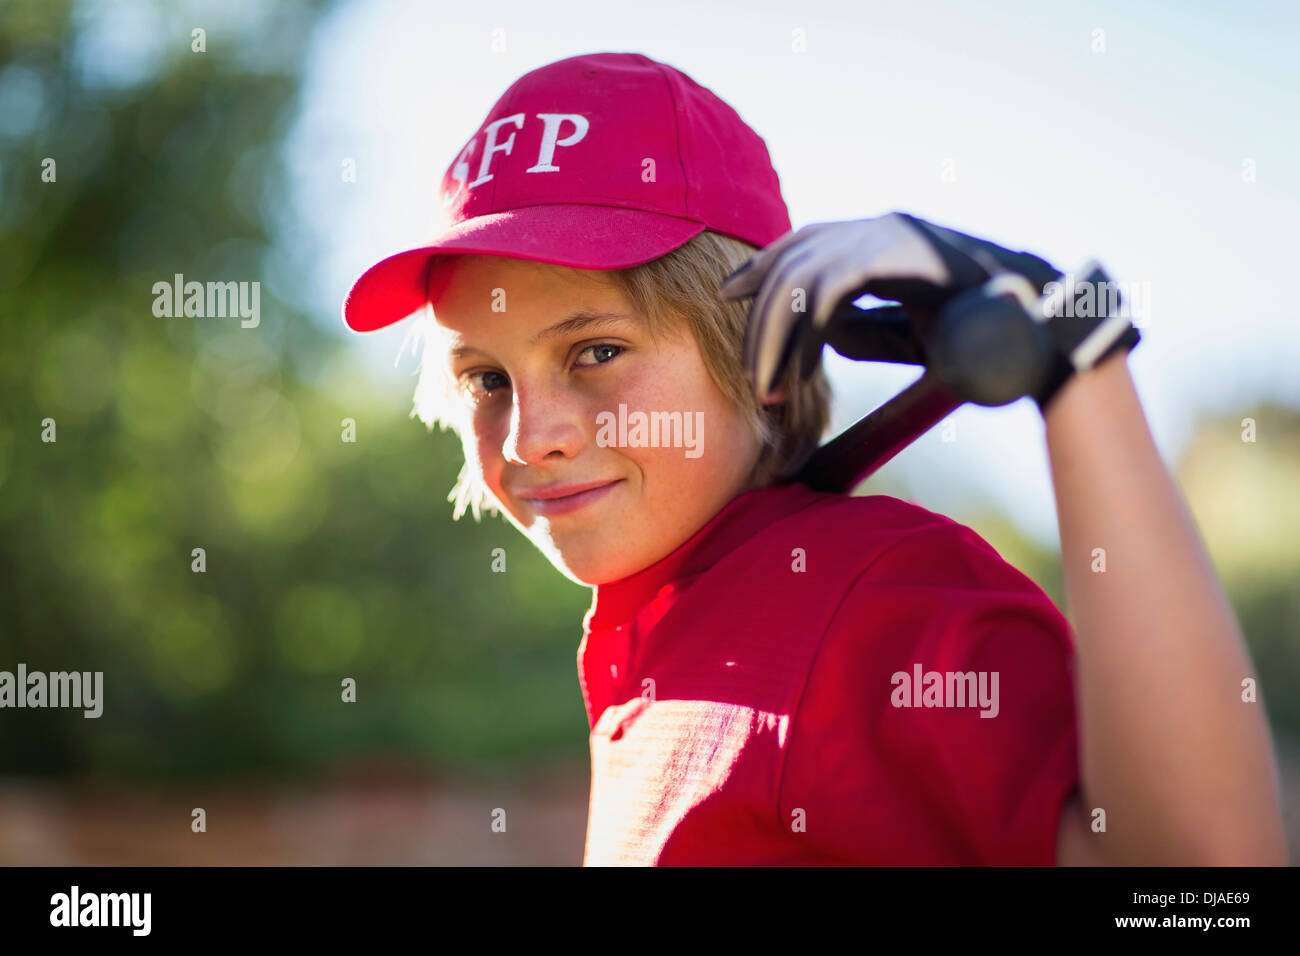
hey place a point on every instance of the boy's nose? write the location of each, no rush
(542, 423)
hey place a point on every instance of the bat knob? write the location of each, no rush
(988, 350)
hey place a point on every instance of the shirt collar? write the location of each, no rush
(617, 602)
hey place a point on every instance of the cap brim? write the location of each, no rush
(582, 236)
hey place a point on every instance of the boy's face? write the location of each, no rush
(532, 390)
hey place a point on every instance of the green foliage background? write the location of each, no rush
(324, 559)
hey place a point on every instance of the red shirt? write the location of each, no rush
(745, 695)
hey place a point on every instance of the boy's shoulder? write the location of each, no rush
(866, 527)
(886, 514)
(880, 541)
(920, 608)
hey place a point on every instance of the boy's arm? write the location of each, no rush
(1183, 768)
(1181, 764)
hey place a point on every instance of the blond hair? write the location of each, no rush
(679, 288)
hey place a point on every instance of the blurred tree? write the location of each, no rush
(325, 559)
(1241, 472)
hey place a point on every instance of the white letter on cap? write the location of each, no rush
(492, 146)
(547, 152)
(460, 172)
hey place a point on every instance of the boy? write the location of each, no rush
(775, 675)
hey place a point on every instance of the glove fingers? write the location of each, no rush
(747, 279)
(828, 267)
(775, 321)
(973, 261)
(782, 317)
(800, 280)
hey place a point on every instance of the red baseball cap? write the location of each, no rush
(600, 161)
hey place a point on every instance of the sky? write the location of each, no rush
(1159, 139)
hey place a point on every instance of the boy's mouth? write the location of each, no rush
(562, 499)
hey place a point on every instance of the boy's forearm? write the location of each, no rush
(1182, 766)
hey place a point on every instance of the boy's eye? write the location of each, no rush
(482, 384)
(598, 350)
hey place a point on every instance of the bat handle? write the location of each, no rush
(849, 458)
(882, 334)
